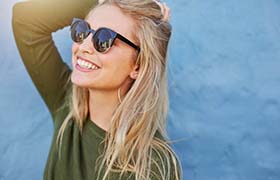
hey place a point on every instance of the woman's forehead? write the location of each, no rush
(111, 17)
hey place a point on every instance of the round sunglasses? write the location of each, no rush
(102, 38)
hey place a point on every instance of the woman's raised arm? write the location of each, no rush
(33, 22)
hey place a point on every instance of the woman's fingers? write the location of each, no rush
(166, 14)
(165, 10)
(100, 1)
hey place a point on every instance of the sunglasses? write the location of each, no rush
(102, 38)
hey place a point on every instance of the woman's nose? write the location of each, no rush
(87, 46)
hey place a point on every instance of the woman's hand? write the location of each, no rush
(165, 10)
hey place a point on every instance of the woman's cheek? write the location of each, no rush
(75, 48)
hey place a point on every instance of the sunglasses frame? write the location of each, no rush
(94, 32)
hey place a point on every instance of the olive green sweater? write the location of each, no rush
(33, 23)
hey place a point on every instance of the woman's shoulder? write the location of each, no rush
(60, 115)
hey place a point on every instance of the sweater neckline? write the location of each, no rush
(95, 128)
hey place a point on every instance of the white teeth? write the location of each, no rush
(87, 65)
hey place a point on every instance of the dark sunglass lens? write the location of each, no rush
(79, 31)
(103, 39)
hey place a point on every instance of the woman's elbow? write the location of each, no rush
(22, 14)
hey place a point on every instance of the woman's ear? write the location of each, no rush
(134, 73)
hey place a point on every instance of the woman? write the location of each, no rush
(109, 112)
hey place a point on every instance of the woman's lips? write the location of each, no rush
(80, 68)
(85, 65)
(86, 60)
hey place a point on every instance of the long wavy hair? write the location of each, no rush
(130, 143)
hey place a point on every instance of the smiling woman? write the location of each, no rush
(110, 111)
(116, 67)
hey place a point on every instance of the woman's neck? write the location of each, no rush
(102, 105)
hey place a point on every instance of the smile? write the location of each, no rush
(83, 64)
(87, 65)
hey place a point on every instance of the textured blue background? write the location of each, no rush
(224, 81)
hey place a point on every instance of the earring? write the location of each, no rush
(119, 95)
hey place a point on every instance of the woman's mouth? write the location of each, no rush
(85, 66)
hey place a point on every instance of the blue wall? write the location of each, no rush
(224, 81)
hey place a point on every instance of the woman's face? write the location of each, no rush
(116, 67)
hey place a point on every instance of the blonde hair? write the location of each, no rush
(130, 143)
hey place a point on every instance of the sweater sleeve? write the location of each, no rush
(33, 23)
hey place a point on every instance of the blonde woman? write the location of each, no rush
(110, 110)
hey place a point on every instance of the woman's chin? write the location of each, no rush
(80, 81)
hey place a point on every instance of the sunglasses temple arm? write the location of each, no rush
(128, 42)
